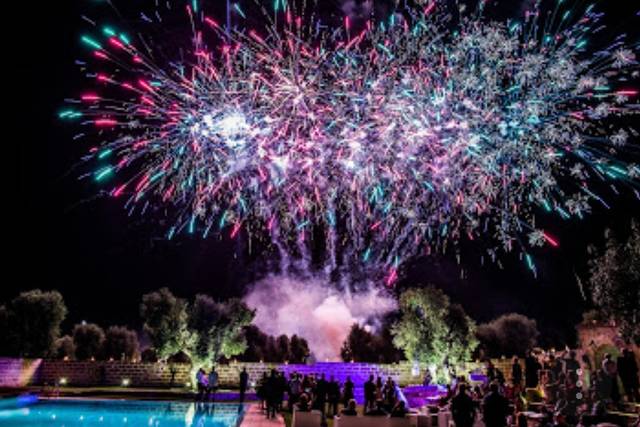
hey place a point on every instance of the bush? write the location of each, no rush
(121, 344)
(89, 341)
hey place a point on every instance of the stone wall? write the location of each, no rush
(19, 372)
(113, 373)
(15, 373)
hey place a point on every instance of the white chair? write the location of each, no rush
(306, 419)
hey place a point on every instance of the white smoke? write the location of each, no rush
(315, 310)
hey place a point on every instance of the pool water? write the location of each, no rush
(112, 413)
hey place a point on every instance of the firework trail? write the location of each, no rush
(378, 143)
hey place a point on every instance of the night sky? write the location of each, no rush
(64, 237)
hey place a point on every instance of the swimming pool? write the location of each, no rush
(112, 413)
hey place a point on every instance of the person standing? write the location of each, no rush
(532, 371)
(516, 373)
(495, 408)
(295, 390)
(244, 382)
(272, 392)
(369, 394)
(628, 371)
(347, 391)
(463, 410)
(333, 395)
(213, 384)
(321, 394)
(201, 382)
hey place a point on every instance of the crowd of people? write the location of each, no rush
(327, 395)
(559, 389)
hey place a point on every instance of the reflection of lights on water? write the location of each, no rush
(189, 414)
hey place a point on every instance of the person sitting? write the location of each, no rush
(303, 403)
(350, 410)
(378, 411)
(399, 410)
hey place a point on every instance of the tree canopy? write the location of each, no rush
(509, 335)
(614, 278)
(30, 323)
(433, 331)
(165, 322)
(217, 329)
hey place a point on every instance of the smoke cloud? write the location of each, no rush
(314, 309)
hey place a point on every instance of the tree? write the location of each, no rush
(431, 330)
(121, 343)
(614, 275)
(165, 322)
(283, 347)
(256, 344)
(509, 335)
(298, 349)
(360, 346)
(217, 329)
(7, 341)
(364, 346)
(33, 321)
(88, 339)
(64, 348)
(261, 346)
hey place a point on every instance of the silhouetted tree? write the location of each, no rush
(509, 335)
(64, 347)
(121, 343)
(32, 323)
(298, 349)
(88, 339)
(360, 346)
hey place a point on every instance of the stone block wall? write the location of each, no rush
(15, 373)
(20, 372)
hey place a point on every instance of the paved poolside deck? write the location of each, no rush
(255, 417)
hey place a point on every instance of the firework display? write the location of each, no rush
(384, 142)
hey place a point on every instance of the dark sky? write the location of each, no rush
(59, 236)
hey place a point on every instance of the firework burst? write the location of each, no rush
(389, 141)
